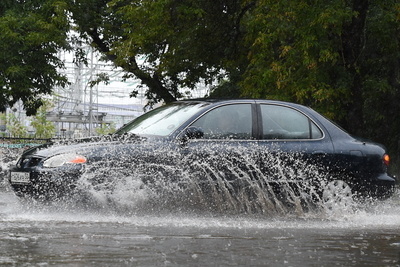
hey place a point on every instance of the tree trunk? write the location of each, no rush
(353, 40)
(154, 83)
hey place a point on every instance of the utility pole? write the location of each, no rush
(90, 115)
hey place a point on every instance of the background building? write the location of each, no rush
(84, 105)
(80, 108)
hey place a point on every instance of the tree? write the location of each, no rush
(43, 127)
(168, 45)
(340, 57)
(106, 129)
(297, 54)
(312, 52)
(14, 125)
(31, 35)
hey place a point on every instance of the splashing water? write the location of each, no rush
(228, 182)
(216, 180)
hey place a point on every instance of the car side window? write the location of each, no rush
(279, 122)
(227, 122)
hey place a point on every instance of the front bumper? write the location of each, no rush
(46, 185)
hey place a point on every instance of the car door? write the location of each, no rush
(226, 153)
(292, 144)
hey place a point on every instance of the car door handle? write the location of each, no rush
(319, 152)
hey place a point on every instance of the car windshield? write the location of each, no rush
(162, 121)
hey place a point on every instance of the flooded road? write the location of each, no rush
(42, 236)
(68, 234)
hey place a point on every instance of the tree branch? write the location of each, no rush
(154, 82)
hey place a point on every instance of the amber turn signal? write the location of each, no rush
(78, 159)
(386, 159)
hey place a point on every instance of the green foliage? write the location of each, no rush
(106, 129)
(169, 45)
(296, 53)
(43, 127)
(31, 35)
(14, 125)
(381, 75)
(339, 57)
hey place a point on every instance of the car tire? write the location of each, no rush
(338, 197)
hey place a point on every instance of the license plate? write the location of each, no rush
(20, 177)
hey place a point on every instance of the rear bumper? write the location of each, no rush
(386, 178)
(382, 186)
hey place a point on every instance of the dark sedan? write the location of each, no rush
(218, 148)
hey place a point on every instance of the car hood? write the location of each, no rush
(84, 146)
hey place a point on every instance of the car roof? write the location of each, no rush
(248, 100)
(234, 100)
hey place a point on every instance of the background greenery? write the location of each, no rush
(341, 57)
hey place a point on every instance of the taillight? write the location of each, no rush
(386, 159)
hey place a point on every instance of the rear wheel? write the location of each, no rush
(337, 196)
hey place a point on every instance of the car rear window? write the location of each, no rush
(281, 122)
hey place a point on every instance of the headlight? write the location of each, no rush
(62, 159)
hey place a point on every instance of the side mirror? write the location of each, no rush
(193, 133)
